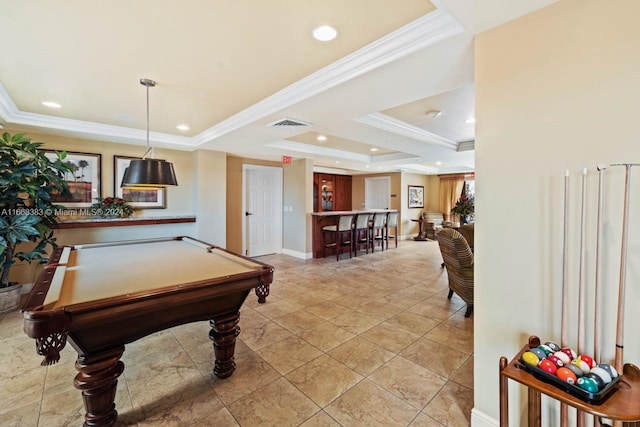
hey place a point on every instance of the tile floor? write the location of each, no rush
(368, 341)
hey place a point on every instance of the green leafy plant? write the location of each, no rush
(464, 207)
(112, 207)
(28, 179)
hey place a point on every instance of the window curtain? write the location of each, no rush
(450, 189)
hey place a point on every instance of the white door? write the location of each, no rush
(263, 210)
(377, 192)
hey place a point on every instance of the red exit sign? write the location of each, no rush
(286, 160)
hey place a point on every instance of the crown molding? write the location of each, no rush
(393, 125)
(425, 31)
(319, 151)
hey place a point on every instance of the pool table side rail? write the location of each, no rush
(50, 327)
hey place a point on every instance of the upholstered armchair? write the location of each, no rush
(434, 222)
(467, 232)
(458, 259)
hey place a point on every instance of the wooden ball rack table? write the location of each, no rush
(622, 405)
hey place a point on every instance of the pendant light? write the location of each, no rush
(148, 172)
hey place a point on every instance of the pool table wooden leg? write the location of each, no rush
(97, 379)
(224, 331)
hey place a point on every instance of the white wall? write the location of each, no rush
(555, 90)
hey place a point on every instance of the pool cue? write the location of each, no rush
(581, 321)
(596, 316)
(564, 409)
(581, 272)
(619, 356)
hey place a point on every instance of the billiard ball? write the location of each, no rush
(556, 361)
(562, 356)
(610, 370)
(540, 353)
(587, 384)
(566, 375)
(597, 379)
(547, 350)
(548, 366)
(553, 346)
(530, 358)
(574, 369)
(589, 360)
(569, 352)
(602, 373)
(584, 366)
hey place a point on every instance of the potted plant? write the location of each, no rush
(112, 207)
(464, 208)
(28, 179)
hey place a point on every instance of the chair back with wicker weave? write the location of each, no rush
(458, 258)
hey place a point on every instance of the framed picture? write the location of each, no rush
(416, 196)
(138, 198)
(83, 180)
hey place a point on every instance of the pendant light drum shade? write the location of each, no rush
(149, 173)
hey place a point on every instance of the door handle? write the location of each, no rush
(247, 213)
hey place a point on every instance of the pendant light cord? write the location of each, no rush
(147, 83)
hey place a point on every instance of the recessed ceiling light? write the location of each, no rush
(182, 127)
(51, 104)
(374, 149)
(325, 33)
(438, 163)
(470, 120)
(432, 114)
(337, 162)
(321, 138)
(366, 166)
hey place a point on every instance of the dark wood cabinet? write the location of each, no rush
(331, 192)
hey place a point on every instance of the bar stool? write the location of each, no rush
(392, 222)
(377, 230)
(361, 232)
(341, 230)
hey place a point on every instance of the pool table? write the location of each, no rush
(102, 296)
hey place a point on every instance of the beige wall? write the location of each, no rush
(210, 194)
(298, 199)
(555, 90)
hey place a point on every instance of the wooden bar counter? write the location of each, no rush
(322, 219)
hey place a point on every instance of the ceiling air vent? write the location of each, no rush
(288, 122)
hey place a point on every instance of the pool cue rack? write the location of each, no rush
(623, 404)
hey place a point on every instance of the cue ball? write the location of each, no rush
(589, 360)
(562, 356)
(566, 375)
(573, 368)
(569, 352)
(597, 379)
(548, 366)
(556, 361)
(602, 373)
(610, 369)
(530, 358)
(584, 366)
(538, 352)
(553, 346)
(587, 384)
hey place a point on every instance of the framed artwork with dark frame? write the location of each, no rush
(138, 198)
(416, 196)
(83, 180)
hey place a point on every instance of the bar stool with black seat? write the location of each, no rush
(342, 233)
(392, 222)
(378, 228)
(361, 232)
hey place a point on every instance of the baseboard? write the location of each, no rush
(297, 254)
(480, 419)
